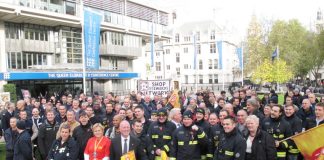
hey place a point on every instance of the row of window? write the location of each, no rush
(197, 37)
(120, 39)
(212, 49)
(31, 32)
(211, 65)
(18, 60)
(212, 78)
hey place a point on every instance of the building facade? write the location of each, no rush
(174, 58)
(41, 44)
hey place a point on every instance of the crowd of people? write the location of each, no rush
(205, 126)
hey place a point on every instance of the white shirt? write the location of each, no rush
(122, 143)
(177, 124)
(248, 145)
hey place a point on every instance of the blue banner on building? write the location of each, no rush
(240, 57)
(64, 75)
(220, 54)
(91, 39)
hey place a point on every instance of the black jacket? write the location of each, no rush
(232, 146)
(296, 127)
(46, 136)
(161, 135)
(82, 134)
(10, 137)
(216, 132)
(280, 129)
(263, 146)
(66, 151)
(306, 115)
(134, 145)
(23, 147)
(187, 143)
(5, 120)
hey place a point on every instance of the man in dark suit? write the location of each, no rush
(125, 143)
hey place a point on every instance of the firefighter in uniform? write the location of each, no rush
(280, 129)
(160, 133)
(65, 147)
(200, 122)
(232, 145)
(296, 128)
(188, 140)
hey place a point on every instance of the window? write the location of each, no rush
(186, 79)
(200, 64)
(212, 35)
(167, 51)
(158, 77)
(215, 78)
(210, 79)
(215, 63)
(70, 8)
(197, 36)
(157, 54)
(210, 64)
(198, 49)
(178, 57)
(168, 67)
(195, 78)
(176, 39)
(185, 66)
(158, 66)
(18, 60)
(201, 79)
(178, 70)
(212, 48)
(117, 38)
(187, 38)
(185, 50)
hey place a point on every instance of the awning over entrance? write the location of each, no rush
(9, 76)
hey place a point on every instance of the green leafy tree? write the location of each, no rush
(255, 46)
(268, 71)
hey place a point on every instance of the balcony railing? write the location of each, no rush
(117, 20)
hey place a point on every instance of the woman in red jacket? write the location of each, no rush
(98, 146)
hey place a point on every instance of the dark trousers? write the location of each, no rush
(9, 155)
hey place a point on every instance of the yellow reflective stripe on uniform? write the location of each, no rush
(281, 135)
(154, 145)
(171, 158)
(203, 157)
(293, 151)
(209, 155)
(193, 142)
(202, 135)
(180, 143)
(157, 158)
(166, 147)
(281, 154)
(229, 153)
(166, 137)
(275, 136)
(154, 136)
(285, 143)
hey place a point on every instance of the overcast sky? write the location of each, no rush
(237, 13)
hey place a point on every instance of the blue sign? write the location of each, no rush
(91, 39)
(64, 75)
(220, 54)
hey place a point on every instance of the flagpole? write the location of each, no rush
(242, 65)
(278, 69)
(83, 49)
(195, 63)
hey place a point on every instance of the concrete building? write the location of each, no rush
(174, 58)
(41, 44)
